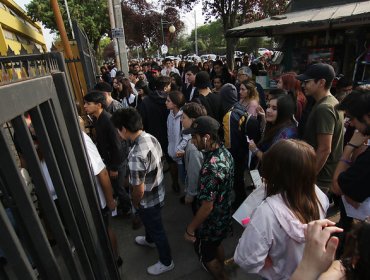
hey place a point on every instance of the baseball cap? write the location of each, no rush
(203, 125)
(318, 71)
(246, 71)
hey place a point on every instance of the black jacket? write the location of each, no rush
(154, 114)
(108, 142)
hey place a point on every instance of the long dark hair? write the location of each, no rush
(285, 112)
(356, 257)
(289, 169)
(126, 87)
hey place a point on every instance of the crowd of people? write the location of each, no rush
(211, 128)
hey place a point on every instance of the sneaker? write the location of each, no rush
(140, 240)
(160, 268)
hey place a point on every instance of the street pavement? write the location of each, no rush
(175, 216)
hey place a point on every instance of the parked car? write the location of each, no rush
(262, 51)
(193, 57)
(206, 57)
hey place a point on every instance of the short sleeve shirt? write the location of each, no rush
(145, 165)
(216, 183)
(97, 165)
(325, 119)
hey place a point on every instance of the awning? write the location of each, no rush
(309, 20)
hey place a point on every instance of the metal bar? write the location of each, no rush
(23, 96)
(83, 178)
(13, 249)
(61, 174)
(50, 211)
(43, 256)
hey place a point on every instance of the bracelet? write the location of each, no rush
(352, 145)
(191, 235)
(349, 162)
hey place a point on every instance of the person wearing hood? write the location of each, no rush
(211, 101)
(154, 112)
(273, 241)
(237, 126)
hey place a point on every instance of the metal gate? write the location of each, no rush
(82, 249)
(86, 56)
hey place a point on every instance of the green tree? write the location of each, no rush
(233, 13)
(92, 16)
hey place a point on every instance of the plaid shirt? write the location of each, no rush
(145, 164)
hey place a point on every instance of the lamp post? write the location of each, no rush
(171, 29)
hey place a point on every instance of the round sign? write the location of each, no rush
(164, 49)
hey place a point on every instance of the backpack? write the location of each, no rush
(236, 126)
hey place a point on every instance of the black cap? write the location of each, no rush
(203, 125)
(318, 71)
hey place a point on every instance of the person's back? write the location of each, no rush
(154, 112)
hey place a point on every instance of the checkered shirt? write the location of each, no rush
(145, 165)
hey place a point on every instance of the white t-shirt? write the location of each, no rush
(97, 165)
(49, 183)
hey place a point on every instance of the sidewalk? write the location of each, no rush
(175, 218)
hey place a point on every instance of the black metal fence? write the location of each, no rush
(87, 57)
(39, 88)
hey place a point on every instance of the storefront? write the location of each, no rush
(336, 34)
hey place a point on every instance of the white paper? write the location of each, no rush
(248, 206)
(361, 213)
(256, 178)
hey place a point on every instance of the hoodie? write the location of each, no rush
(229, 97)
(154, 115)
(274, 232)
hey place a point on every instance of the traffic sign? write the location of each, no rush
(164, 49)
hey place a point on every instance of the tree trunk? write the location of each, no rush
(230, 49)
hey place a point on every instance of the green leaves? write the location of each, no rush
(92, 16)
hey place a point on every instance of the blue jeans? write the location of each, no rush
(154, 232)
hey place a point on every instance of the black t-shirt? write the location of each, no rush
(355, 181)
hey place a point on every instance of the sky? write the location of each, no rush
(187, 18)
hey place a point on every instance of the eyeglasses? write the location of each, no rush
(306, 81)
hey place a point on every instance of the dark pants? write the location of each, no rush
(120, 191)
(239, 188)
(154, 232)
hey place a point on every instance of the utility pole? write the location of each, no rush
(113, 27)
(196, 33)
(120, 35)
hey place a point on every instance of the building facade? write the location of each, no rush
(18, 33)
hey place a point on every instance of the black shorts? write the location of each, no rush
(206, 250)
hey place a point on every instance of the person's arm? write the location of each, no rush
(347, 175)
(106, 186)
(319, 251)
(253, 148)
(137, 194)
(194, 165)
(343, 164)
(202, 214)
(323, 150)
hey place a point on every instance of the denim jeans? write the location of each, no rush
(154, 232)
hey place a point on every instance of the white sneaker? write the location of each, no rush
(140, 240)
(160, 268)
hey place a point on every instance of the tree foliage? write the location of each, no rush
(92, 16)
(233, 13)
(143, 24)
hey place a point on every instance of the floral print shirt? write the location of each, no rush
(216, 183)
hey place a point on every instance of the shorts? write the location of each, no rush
(206, 250)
